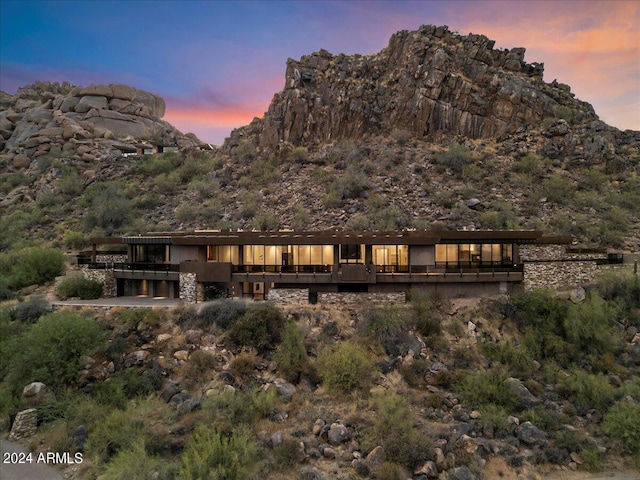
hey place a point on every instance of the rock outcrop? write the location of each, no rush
(423, 82)
(82, 123)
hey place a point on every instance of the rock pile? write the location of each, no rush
(82, 123)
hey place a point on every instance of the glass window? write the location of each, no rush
(222, 253)
(441, 253)
(254, 254)
(352, 253)
(452, 254)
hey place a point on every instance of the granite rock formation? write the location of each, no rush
(81, 123)
(424, 82)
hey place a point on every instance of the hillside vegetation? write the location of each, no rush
(525, 384)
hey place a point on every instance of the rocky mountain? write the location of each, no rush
(82, 123)
(426, 81)
(437, 129)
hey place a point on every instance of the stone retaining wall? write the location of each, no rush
(288, 296)
(188, 287)
(25, 425)
(106, 277)
(559, 274)
(350, 298)
(115, 258)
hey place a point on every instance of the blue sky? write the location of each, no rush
(218, 63)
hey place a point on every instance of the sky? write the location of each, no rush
(218, 64)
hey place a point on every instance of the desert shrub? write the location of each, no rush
(127, 384)
(70, 182)
(31, 310)
(424, 315)
(288, 454)
(359, 221)
(301, 218)
(353, 184)
(231, 409)
(531, 164)
(211, 454)
(52, 350)
(622, 423)
(541, 316)
(591, 460)
(590, 327)
(488, 388)
(74, 240)
(31, 266)
(391, 218)
(223, 313)
(388, 326)
(5, 291)
(291, 354)
(515, 357)
(260, 327)
(345, 368)
(414, 373)
(557, 189)
(117, 432)
(394, 430)
(265, 221)
(200, 364)
(136, 463)
(78, 286)
(621, 287)
(107, 207)
(299, 154)
(152, 165)
(456, 157)
(495, 418)
(389, 471)
(585, 391)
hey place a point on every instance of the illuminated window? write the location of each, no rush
(222, 253)
(352, 253)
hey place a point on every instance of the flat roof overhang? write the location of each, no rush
(408, 237)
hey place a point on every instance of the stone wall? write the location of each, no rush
(112, 258)
(552, 266)
(288, 296)
(559, 274)
(106, 277)
(351, 298)
(188, 287)
(25, 425)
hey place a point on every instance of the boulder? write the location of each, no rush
(97, 90)
(338, 434)
(89, 102)
(531, 435)
(123, 92)
(525, 397)
(34, 389)
(21, 161)
(284, 388)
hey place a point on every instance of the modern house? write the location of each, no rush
(314, 266)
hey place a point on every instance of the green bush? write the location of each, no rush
(127, 384)
(52, 350)
(590, 327)
(425, 318)
(135, 463)
(78, 286)
(514, 357)
(31, 266)
(260, 327)
(345, 368)
(586, 391)
(231, 409)
(291, 355)
(393, 429)
(118, 432)
(75, 240)
(213, 455)
(557, 189)
(488, 388)
(531, 164)
(456, 158)
(107, 207)
(31, 310)
(622, 423)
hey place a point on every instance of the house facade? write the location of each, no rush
(315, 266)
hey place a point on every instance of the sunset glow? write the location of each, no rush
(218, 64)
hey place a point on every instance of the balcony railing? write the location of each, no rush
(282, 268)
(139, 266)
